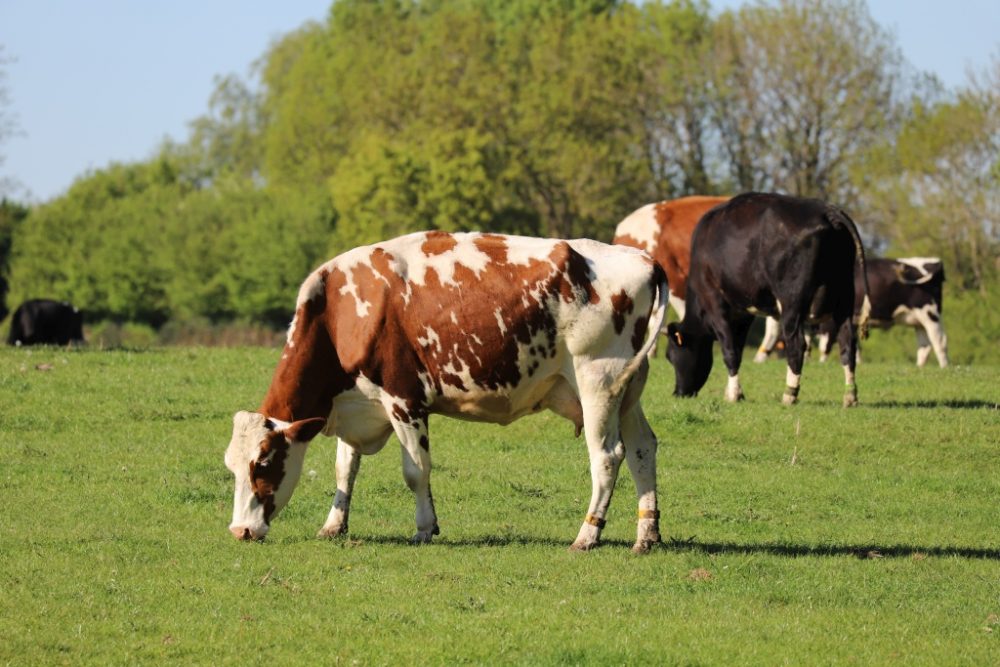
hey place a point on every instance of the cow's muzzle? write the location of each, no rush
(246, 534)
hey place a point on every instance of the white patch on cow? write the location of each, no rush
(733, 390)
(641, 226)
(792, 379)
(498, 313)
(290, 337)
(432, 339)
(454, 317)
(678, 304)
(919, 263)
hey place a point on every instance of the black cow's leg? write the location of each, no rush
(795, 344)
(732, 337)
(847, 339)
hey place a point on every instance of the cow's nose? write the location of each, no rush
(244, 533)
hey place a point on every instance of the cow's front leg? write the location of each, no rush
(600, 427)
(640, 453)
(416, 453)
(732, 337)
(348, 463)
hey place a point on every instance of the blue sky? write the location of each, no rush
(107, 80)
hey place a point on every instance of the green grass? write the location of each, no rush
(809, 535)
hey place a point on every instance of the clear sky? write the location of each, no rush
(100, 81)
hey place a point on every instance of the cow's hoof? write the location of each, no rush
(645, 546)
(736, 398)
(850, 400)
(330, 532)
(760, 357)
(581, 545)
(422, 537)
(788, 399)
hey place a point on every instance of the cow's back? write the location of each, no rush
(664, 230)
(466, 315)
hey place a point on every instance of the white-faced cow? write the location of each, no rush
(904, 291)
(45, 322)
(476, 326)
(769, 254)
(664, 230)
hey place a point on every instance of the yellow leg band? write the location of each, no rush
(594, 521)
(649, 514)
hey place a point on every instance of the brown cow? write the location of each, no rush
(476, 326)
(664, 230)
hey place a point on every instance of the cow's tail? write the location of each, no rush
(839, 218)
(657, 316)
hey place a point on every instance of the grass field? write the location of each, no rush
(804, 535)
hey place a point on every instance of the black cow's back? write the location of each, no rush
(45, 322)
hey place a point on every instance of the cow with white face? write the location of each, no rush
(476, 326)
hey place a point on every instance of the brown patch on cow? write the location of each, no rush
(577, 284)
(621, 306)
(639, 333)
(381, 261)
(268, 470)
(675, 223)
(631, 241)
(493, 246)
(438, 243)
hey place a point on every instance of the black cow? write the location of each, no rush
(767, 254)
(903, 291)
(45, 322)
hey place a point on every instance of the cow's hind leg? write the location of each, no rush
(930, 319)
(640, 453)
(794, 355)
(348, 463)
(771, 331)
(606, 450)
(847, 340)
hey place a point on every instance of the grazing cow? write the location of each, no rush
(476, 326)
(903, 291)
(771, 254)
(664, 230)
(45, 322)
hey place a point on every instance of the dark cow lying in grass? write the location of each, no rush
(767, 254)
(45, 322)
(476, 326)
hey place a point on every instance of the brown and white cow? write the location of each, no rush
(906, 291)
(664, 230)
(476, 326)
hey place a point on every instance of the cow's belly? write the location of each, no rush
(359, 421)
(505, 406)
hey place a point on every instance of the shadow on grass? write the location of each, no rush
(954, 405)
(867, 551)
(864, 552)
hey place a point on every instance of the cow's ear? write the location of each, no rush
(675, 334)
(304, 430)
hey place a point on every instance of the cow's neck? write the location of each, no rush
(307, 377)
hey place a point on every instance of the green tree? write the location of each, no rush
(801, 89)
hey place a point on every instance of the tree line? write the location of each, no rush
(540, 117)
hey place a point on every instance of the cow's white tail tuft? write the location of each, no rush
(863, 316)
(656, 319)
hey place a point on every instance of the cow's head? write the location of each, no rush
(691, 355)
(266, 456)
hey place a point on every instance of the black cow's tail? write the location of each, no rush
(839, 218)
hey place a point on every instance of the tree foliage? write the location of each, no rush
(541, 117)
